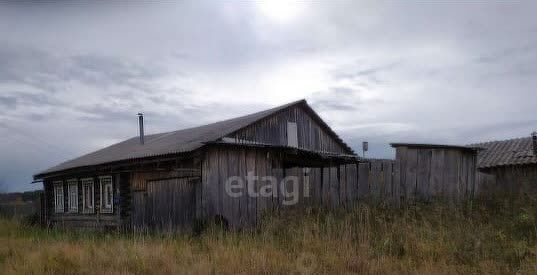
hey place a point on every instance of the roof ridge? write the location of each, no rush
(171, 142)
(501, 140)
(268, 111)
(166, 133)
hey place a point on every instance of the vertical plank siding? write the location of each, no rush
(423, 191)
(236, 210)
(170, 200)
(171, 204)
(363, 179)
(331, 186)
(507, 181)
(437, 173)
(165, 200)
(432, 173)
(273, 130)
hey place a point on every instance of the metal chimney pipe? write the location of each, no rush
(534, 137)
(141, 124)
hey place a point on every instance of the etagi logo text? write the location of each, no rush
(266, 186)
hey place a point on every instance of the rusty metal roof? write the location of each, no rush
(181, 141)
(517, 151)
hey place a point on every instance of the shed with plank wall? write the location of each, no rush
(430, 171)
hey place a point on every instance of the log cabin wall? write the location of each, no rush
(80, 219)
(274, 130)
(48, 197)
(130, 185)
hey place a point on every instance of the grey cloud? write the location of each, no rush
(337, 99)
(26, 65)
(500, 55)
(345, 73)
(52, 81)
(334, 105)
(8, 102)
(17, 100)
(41, 99)
(497, 130)
(104, 71)
(172, 97)
(343, 91)
(103, 113)
(47, 72)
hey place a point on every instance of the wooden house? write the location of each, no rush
(232, 171)
(508, 166)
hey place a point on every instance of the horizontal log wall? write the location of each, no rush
(96, 219)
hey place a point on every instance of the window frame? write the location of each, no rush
(72, 205)
(58, 185)
(85, 209)
(104, 207)
(292, 134)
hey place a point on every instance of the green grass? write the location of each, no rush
(489, 237)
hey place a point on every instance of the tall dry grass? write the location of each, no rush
(486, 237)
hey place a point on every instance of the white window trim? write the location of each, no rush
(88, 210)
(72, 205)
(58, 207)
(103, 207)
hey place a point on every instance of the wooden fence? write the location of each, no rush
(344, 185)
(422, 178)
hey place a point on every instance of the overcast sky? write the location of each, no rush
(73, 76)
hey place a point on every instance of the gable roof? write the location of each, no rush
(517, 151)
(180, 141)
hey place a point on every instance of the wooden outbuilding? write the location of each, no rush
(509, 166)
(433, 171)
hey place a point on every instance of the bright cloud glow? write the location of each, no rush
(281, 11)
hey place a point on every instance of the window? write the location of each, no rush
(87, 195)
(72, 195)
(107, 194)
(58, 196)
(292, 137)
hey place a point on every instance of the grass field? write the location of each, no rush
(488, 237)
